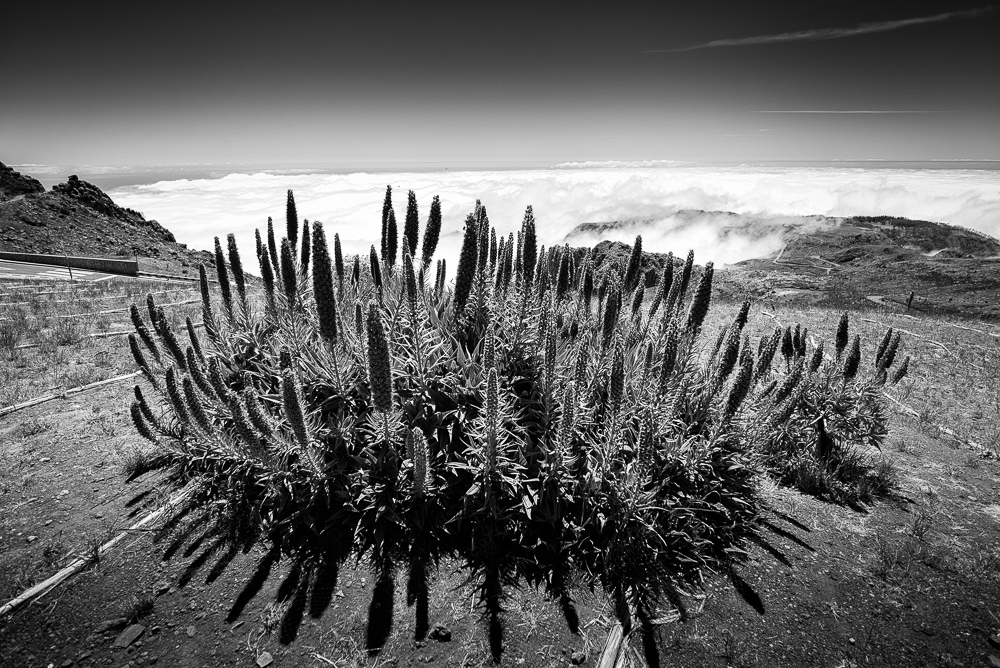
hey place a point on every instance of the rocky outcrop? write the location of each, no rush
(94, 198)
(13, 184)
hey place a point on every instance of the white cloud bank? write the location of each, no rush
(351, 204)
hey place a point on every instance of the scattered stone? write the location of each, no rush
(441, 633)
(340, 593)
(31, 539)
(194, 606)
(237, 625)
(67, 663)
(112, 625)
(48, 522)
(190, 631)
(994, 640)
(577, 658)
(265, 659)
(162, 588)
(129, 635)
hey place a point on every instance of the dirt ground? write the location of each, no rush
(912, 581)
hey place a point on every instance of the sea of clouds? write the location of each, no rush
(769, 203)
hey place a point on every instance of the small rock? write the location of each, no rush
(129, 635)
(265, 659)
(441, 633)
(190, 631)
(994, 640)
(67, 663)
(850, 640)
(31, 539)
(45, 459)
(577, 658)
(194, 606)
(339, 593)
(237, 625)
(162, 588)
(48, 522)
(112, 625)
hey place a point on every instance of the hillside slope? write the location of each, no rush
(78, 218)
(854, 262)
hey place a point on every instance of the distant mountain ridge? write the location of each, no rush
(78, 218)
(854, 262)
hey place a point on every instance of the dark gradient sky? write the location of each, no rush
(492, 83)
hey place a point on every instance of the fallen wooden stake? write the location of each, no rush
(82, 562)
(613, 654)
(986, 452)
(76, 390)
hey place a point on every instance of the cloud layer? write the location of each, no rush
(351, 204)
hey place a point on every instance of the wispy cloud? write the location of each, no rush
(851, 111)
(817, 34)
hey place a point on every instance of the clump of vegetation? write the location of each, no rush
(536, 422)
(829, 420)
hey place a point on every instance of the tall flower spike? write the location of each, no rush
(291, 220)
(139, 421)
(223, 274)
(374, 266)
(198, 375)
(901, 370)
(244, 427)
(853, 360)
(701, 301)
(529, 246)
(890, 353)
(195, 408)
(272, 249)
(432, 232)
(562, 281)
(686, 275)
(637, 297)
(218, 381)
(144, 333)
(356, 271)
(147, 412)
(175, 398)
(151, 309)
(236, 264)
(267, 277)
(743, 315)
(741, 384)
(410, 278)
(669, 357)
(258, 418)
(633, 271)
(769, 346)
(195, 341)
(816, 359)
(289, 279)
(790, 382)
(842, 335)
(338, 263)
(611, 308)
(207, 316)
(169, 339)
(359, 323)
(882, 347)
(616, 381)
(291, 399)
(379, 370)
(386, 208)
(550, 356)
(391, 242)
(466, 265)
(411, 225)
(305, 249)
(490, 349)
(323, 291)
(140, 360)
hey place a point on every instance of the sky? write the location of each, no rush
(494, 85)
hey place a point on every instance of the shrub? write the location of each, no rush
(830, 420)
(537, 436)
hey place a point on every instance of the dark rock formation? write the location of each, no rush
(94, 198)
(13, 184)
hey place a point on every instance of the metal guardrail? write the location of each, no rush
(109, 265)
